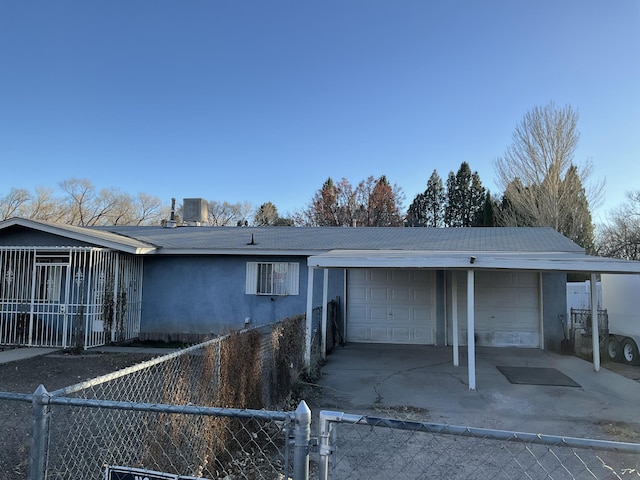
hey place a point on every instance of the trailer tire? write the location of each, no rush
(614, 349)
(630, 354)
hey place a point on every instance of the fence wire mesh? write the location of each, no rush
(15, 425)
(199, 442)
(384, 448)
(246, 371)
(580, 332)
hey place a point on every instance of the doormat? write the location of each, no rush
(537, 376)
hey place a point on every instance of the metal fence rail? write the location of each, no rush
(362, 447)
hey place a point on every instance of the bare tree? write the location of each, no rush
(86, 206)
(14, 204)
(45, 206)
(620, 236)
(223, 214)
(538, 172)
(149, 210)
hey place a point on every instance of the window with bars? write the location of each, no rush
(272, 278)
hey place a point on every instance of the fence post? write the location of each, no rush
(39, 434)
(327, 419)
(302, 436)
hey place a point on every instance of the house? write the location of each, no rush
(64, 285)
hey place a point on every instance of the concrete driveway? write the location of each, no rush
(420, 383)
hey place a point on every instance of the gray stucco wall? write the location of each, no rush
(554, 296)
(206, 294)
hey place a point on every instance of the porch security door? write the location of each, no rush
(48, 318)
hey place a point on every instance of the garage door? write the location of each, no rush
(391, 306)
(507, 311)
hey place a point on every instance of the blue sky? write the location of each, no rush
(263, 100)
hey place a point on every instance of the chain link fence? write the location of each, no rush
(15, 425)
(580, 332)
(202, 413)
(362, 447)
(86, 435)
(199, 412)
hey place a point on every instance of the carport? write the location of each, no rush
(471, 263)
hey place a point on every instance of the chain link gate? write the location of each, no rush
(364, 447)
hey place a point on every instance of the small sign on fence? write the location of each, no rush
(129, 473)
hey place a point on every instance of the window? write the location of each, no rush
(272, 278)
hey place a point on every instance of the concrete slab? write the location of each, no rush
(22, 353)
(422, 381)
(16, 354)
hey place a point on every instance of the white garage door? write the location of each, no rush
(507, 310)
(391, 306)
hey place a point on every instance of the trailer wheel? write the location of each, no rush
(614, 349)
(630, 352)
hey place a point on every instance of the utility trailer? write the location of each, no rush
(621, 298)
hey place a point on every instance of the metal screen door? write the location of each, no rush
(48, 319)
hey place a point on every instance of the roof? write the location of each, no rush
(310, 240)
(522, 248)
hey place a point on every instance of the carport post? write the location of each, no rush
(471, 329)
(325, 300)
(309, 316)
(454, 317)
(595, 332)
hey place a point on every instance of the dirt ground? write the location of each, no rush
(54, 371)
(60, 370)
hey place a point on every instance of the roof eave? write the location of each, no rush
(134, 247)
(560, 262)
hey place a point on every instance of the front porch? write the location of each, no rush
(68, 297)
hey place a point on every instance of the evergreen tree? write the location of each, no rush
(383, 210)
(373, 203)
(578, 226)
(427, 208)
(266, 215)
(416, 214)
(465, 198)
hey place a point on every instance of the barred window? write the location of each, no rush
(272, 278)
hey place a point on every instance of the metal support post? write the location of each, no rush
(302, 437)
(39, 434)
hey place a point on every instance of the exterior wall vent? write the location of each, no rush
(195, 211)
